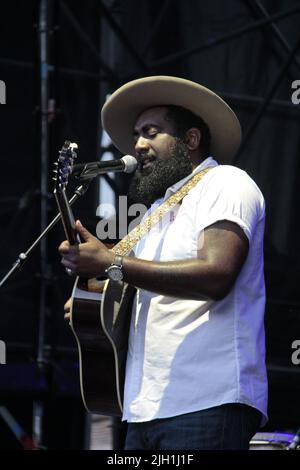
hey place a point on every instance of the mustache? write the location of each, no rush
(142, 157)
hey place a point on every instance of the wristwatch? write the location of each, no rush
(114, 271)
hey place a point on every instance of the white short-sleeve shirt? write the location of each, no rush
(189, 355)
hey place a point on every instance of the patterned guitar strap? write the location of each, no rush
(125, 246)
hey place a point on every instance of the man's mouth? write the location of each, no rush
(147, 162)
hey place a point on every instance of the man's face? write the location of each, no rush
(154, 136)
(163, 158)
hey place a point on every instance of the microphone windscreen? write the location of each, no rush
(130, 163)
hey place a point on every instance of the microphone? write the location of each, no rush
(126, 164)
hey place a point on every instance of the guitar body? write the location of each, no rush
(100, 320)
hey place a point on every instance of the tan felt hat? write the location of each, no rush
(121, 110)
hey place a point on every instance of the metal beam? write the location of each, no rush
(267, 100)
(52, 68)
(88, 42)
(156, 25)
(257, 7)
(122, 37)
(43, 40)
(254, 101)
(226, 37)
(112, 184)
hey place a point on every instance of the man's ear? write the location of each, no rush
(193, 138)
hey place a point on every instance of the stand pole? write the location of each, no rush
(43, 33)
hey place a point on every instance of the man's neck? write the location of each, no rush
(197, 160)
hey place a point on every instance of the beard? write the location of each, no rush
(151, 183)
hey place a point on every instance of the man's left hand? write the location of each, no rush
(89, 258)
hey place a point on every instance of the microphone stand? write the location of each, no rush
(79, 191)
(37, 405)
(84, 176)
(87, 174)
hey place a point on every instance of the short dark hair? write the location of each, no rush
(185, 120)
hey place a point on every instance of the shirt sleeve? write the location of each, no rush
(229, 194)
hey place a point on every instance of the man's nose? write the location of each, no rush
(141, 144)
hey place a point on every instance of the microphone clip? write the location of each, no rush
(86, 172)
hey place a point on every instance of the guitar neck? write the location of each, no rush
(66, 216)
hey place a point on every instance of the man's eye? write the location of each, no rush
(152, 132)
(146, 133)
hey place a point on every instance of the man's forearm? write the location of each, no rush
(188, 279)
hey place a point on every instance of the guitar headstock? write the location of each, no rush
(62, 171)
(64, 165)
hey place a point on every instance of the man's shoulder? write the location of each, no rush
(232, 177)
(230, 170)
(227, 184)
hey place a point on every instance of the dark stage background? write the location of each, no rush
(245, 50)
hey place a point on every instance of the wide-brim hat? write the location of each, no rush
(123, 107)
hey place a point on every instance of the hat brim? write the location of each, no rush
(121, 110)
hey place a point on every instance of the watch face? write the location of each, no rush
(115, 273)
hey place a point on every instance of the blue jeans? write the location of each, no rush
(229, 426)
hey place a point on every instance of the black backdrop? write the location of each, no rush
(127, 40)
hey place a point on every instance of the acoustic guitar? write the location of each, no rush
(100, 315)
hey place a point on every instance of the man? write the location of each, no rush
(195, 373)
